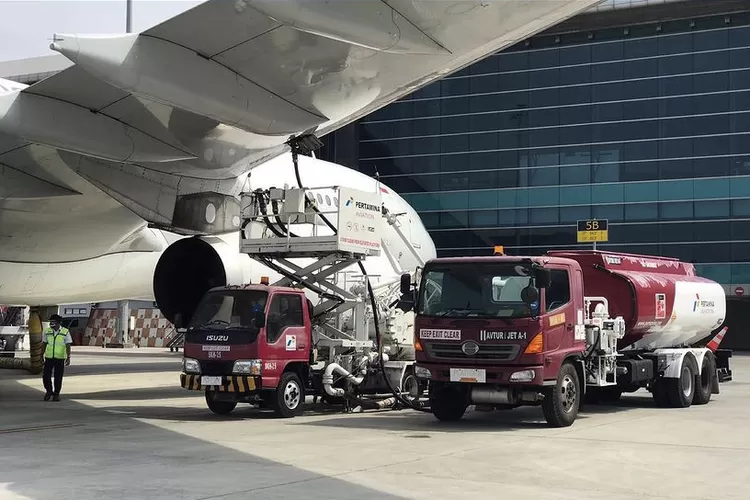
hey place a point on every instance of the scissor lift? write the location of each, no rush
(286, 230)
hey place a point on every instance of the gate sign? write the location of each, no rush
(592, 230)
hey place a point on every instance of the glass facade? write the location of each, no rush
(646, 125)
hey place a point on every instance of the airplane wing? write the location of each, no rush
(167, 121)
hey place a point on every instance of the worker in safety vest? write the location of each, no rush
(57, 342)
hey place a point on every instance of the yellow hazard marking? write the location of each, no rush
(233, 383)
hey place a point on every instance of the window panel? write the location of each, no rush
(713, 231)
(642, 191)
(570, 215)
(635, 233)
(741, 273)
(453, 107)
(740, 187)
(740, 230)
(720, 273)
(711, 188)
(580, 174)
(454, 219)
(575, 195)
(676, 190)
(741, 208)
(681, 210)
(484, 198)
(642, 212)
(483, 218)
(607, 193)
(513, 217)
(671, 232)
(676, 169)
(614, 213)
(712, 209)
(544, 216)
(711, 167)
(639, 171)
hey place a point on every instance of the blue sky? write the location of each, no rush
(26, 26)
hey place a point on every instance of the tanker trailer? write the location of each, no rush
(666, 311)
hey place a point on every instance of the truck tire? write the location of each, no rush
(219, 407)
(448, 404)
(561, 403)
(660, 393)
(681, 390)
(289, 397)
(704, 381)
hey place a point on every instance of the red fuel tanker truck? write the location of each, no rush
(504, 331)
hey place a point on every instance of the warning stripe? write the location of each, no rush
(230, 383)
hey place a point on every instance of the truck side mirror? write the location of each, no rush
(530, 295)
(260, 319)
(543, 278)
(406, 284)
(178, 321)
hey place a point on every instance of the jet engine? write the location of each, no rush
(189, 267)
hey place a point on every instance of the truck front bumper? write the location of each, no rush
(228, 383)
(505, 375)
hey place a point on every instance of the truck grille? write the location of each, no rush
(216, 367)
(500, 352)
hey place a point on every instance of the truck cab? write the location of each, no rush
(501, 331)
(251, 344)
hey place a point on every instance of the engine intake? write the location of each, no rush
(187, 269)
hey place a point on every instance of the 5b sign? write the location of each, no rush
(592, 230)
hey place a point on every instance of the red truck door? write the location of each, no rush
(286, 338)
(562, 301)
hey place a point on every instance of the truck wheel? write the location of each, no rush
(448, 404)
(704, 381)
(660, 393)
(681, 390)
(289, 396)
(561, 403)
(219, 407)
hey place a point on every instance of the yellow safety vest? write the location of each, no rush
(56, 348)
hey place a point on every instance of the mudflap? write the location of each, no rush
(723, 370)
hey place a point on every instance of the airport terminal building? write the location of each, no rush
(637, 112)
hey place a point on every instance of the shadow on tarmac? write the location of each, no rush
(70, 450)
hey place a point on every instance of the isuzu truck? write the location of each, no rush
(504, 331)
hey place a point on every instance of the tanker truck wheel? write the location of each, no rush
(704, 381)
(219, 407)
(561, 403)
(681, 390)
(448, 404)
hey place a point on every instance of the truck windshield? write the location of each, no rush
(474, 289)
(229, 309)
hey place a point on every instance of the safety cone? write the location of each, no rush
(714, 344)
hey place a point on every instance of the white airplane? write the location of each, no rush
(107, 166)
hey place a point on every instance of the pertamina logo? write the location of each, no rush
(703, 306)
(349, 201)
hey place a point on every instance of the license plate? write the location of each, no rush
(210, 381)
(478, 376)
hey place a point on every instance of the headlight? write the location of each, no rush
(247, 366)
(522, 376)
(421, 372)
(190, 365)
